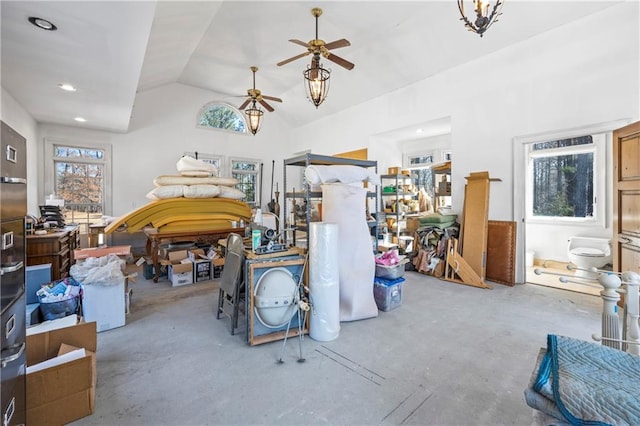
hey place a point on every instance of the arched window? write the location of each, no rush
(219, 115)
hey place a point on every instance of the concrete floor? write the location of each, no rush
(450, 355)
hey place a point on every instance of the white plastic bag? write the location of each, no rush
(105, 270)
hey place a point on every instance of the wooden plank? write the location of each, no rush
(457, 266)
(501, 252)
(476, 212)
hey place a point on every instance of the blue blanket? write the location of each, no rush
(584, 383)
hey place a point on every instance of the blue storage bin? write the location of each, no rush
(387, 293)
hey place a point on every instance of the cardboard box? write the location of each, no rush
(121, 251)
(179, 268)
(104, 304)
(394, 170)
(202, 270)
(181, 274)
(196, 254)
(413, 223)
(66, 392)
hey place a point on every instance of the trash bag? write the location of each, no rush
(105, 270)
(60, 298)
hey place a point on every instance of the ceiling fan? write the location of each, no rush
(255, 95)
(318, 47)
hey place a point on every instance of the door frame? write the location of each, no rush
(628, 130)
(519, 171)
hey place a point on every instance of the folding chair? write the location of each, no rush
(231, 283)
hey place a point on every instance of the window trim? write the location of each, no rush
(228, 105)
(50, 159)
(598, 148)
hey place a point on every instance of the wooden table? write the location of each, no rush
(154, 239)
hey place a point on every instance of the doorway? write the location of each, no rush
(545, 249)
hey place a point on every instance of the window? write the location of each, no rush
(566, 179)
(223, 116)
(246, 171)
(216, 160)
(78, 174)
(421, 173)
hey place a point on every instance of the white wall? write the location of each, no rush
(582, 73)
(12, 113)
(163, 126)
(579, 74)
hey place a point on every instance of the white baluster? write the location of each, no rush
(632, 311)
(610, 319)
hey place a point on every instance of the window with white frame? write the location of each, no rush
(421, 174)
(220, 115)
(246, 171)
(566, 179)
(79, 174)
(215, 160)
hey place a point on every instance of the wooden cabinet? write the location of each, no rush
(55, 248)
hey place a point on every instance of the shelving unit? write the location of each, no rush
(304, 197)
(400, 192)
(442, 185)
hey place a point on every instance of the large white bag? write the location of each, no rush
(345, 205)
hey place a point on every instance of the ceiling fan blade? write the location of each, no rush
(338, 60)
(299, 42)
(286, 61)
(337, 44)
(244, 104)
(266, 106)
(272, 98)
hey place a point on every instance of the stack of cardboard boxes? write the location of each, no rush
(61, 371)
(191, 266)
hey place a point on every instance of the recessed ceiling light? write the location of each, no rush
(420, 130)
(42, 23)
(66, 86)
(80, 119)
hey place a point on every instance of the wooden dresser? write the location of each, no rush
(55, 248)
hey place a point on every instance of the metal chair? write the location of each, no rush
(231, 283)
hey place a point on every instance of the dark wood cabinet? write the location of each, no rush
(55, 248)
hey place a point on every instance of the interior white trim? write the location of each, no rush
(519, 165)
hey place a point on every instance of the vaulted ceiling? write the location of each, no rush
(110, 50)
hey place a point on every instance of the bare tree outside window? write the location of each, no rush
(79, 179)
(563, 178)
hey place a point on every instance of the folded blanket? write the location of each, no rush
(340, 173)
(585, 383)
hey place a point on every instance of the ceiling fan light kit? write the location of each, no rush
(254, 113)
(316, 78)
(485, 15)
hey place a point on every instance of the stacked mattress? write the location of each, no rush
(194, 200)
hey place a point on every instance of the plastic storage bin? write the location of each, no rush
(390, 272)
(387, 293)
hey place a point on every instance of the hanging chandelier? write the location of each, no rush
(316, 81)
(485, 15)
(254, 116)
